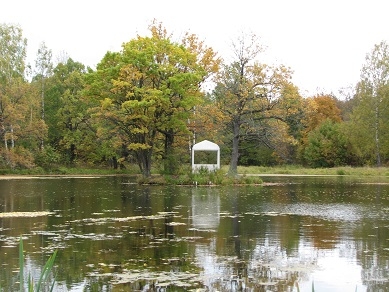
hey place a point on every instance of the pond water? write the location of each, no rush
(113, 235)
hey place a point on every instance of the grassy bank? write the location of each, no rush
(252, 175)
(201, 178)
(69, 171)
(298, 170)
(242, 170)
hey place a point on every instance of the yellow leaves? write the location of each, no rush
(206, 56)
(129, 79)
(138, 146)
(144, 106)
(321, 108)
(106, 103)
(158, 30)
(141, 130)
(156, 85)
(207, 120)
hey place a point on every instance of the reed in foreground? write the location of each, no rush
(43, 281)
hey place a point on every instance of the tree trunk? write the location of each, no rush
(114, 162)
(43, 106)
(377, 144)
(170, 163)
(5, 138)
(72, 153)
(144, 161)
(12, 138)
(235, 150)
(377, 138)
(147, 164)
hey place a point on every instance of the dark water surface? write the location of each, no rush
(112, 235)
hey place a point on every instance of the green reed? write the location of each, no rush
(44, 276)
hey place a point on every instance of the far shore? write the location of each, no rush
(21, 176)
(261, 171)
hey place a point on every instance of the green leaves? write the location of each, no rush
(327, 146)
(370, 117)
(12, 53)
(152, 91)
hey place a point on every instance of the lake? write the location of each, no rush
(114, 235)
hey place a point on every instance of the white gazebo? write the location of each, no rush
(207, 146)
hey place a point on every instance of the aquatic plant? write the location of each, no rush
(44, 276)
(202, 177)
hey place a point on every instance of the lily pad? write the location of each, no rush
(24, 214)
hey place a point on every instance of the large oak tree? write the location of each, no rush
(154, 84)
(254, 98)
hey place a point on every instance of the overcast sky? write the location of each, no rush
(323, 41)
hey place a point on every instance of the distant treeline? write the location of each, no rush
(146, 105)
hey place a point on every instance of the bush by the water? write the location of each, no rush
(200, 178)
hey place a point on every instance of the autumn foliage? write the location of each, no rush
(147, 104)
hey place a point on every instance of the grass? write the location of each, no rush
(74, 170)
(185, 173)
(249, 175)
(43, 283)
(298, 170)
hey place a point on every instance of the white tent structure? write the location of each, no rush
(205, 146)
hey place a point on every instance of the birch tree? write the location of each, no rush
(370, 117)
(43, 70)
(12, 53)
(12, 66)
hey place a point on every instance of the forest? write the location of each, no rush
(149, 103)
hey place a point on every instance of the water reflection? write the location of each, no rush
(205, 208)
(114, 235)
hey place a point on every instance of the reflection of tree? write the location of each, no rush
(250, 251)
(371, 253)
(236, 222)
(266, 268)
(373, 244)
(324, 234)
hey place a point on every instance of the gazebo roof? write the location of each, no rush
(206, 145)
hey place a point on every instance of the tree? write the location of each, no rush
(152, 96)
(321, 108)
(98, 85)
(12, 65)
(250, 96)
(66, 110)
(318, 109)
(16, 97)
(370, 117)
(12, 53)
(185, 91)
(43, 70)
(328, 146)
